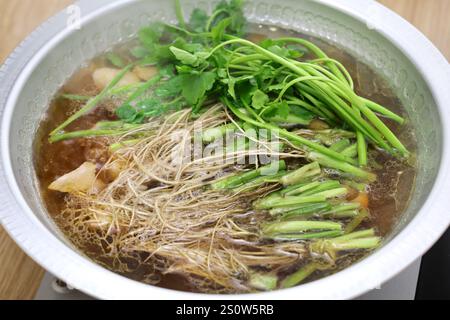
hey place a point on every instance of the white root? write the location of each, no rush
(161, 209)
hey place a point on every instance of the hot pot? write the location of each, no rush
(419, 74)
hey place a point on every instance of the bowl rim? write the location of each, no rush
(415, 239)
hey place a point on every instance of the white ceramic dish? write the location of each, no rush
(416, 69)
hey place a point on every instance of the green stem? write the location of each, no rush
(119, 145)
(93, 102)
(84, 134)
(143, 88)
(263, 281)
(299, 276)
(259, 182)
(354, 241)
(213, 17)
(307, 236)
(74, 97)
(179, 13)
(340, 145)
(212, 134)
(247, 58)
(348, 114)
(292, 227)
(361, 149)
(344, 207)
(341, 68)
(286, 134)
(351, 151)
(331, 136)
(240, 179)
(333, 193)
(332, 92)
(356, 235)
(342, 166)
(309, 209)
(343, 214)
(115, 125)
(372, 117)
(298, 80)
(291, 118)
(319, 105)
(302, 188)
(362, 243)
(276, 202)
(383, 111)
(317, 111)
(299, 175)
(323, 186)
(362, 215)
(318, 52)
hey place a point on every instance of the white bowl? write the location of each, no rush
(418, 72)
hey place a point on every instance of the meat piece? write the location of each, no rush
(115, 168)
(145, 73)
(79, 180)
(103, 77)
(81, 82)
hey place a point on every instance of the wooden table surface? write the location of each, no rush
(19, 275)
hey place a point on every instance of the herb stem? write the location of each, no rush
(92, 103)
(179, 13)
(299, 276)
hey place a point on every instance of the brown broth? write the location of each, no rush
(389, 196)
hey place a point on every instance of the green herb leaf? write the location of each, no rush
(170, 88)
(195, 86)
(219, 31)
(279, 109)
(231, 87)
(185, 56)
(151, 36)
(259, 99)
(245, 91)
(234, 11)
(198, 20)
(116, 60)
(139, 52)
(301, 112)
(129, 114)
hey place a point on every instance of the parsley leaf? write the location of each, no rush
(259, 99)
(219, 31)
(139, 52)
(170, 88)
(185, 56)
(234, 11)
(279, 110)
(151, 35)
(129, 114)
(116, 60)
(192, 59)
(245, 91)
(196, 86)
(198, 20)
